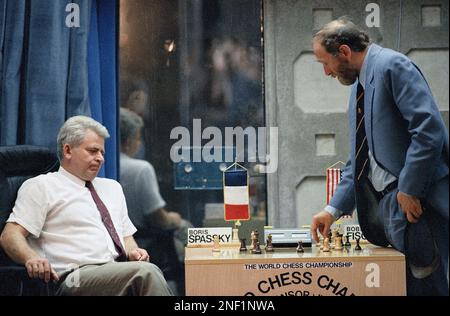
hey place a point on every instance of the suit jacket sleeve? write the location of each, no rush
(415, 102)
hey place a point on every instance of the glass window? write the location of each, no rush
(195, 65)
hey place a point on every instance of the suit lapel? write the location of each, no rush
(352, 122)
(369, 93)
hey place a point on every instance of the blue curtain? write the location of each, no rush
(103, 65)
(50, 71)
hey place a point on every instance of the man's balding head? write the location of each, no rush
(342, 32)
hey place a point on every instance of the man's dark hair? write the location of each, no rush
(342, 32)
(128, 84)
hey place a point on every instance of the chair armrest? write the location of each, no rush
(15, 281)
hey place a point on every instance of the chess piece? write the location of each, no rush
(300, 246)
(338, 242)
(253, 240)
(330, 239)
(334, 234)
(243, 246)
(346, 249)
(357, 247)
(326, 245)
(347, 243)
(236, 231)
(235, 235)
(216, 247)
(269, 246)
(257, 249)
(256, 236)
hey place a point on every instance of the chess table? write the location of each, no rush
(229, 272)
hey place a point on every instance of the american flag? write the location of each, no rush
(333, 179)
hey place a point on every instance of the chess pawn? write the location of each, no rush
(253, 240)
(243, 246)
(216, 247)
(346, 249)
(333, 238)
(257, 249)
(300, 247)
(357, 247)
(269, 246)
(326, 245)
(347, 243)
(338, 243)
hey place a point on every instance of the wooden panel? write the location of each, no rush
(372, 271)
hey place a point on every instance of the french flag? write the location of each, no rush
(235, 195)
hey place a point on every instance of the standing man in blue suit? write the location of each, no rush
(397, 171)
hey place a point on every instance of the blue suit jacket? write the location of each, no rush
(405, 131)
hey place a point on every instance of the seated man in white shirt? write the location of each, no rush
(58, 227)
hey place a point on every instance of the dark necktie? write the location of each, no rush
(106, 219)
(362, 148)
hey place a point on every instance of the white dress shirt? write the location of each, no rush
(141, 189)
(63, 221)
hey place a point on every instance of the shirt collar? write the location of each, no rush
(71, 177)
(362, 73)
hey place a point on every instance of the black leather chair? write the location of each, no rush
(17, 164)
(160, 245)
(21, 162)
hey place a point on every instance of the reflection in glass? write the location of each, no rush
(185, 60)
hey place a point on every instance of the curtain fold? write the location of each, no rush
(103, 78)
(12, 20)
(45, 71)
